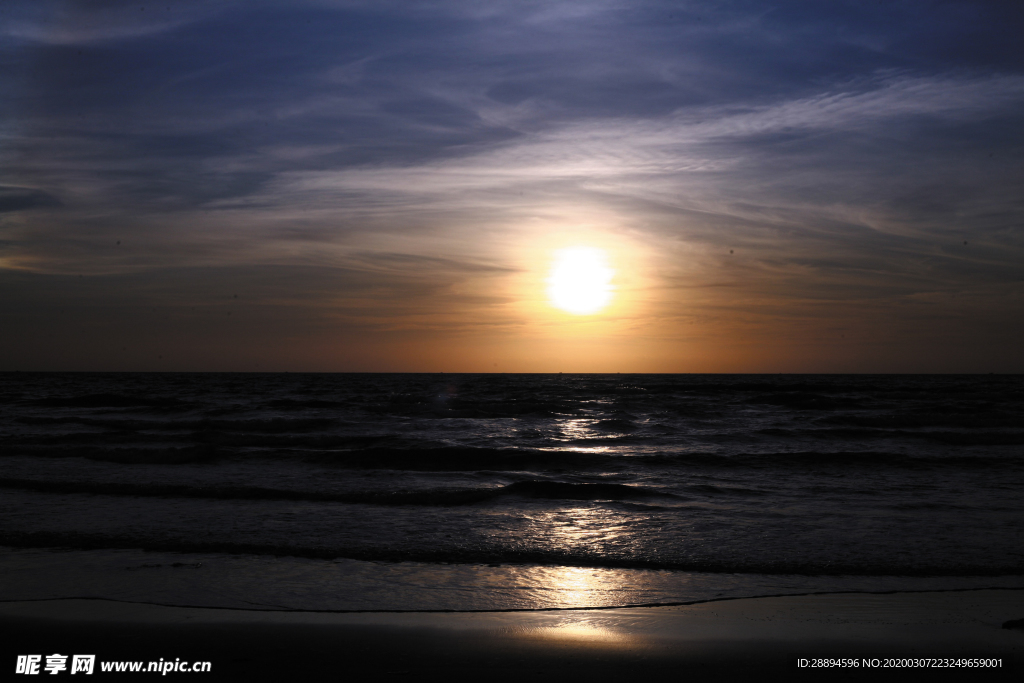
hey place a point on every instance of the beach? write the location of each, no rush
(753, 636)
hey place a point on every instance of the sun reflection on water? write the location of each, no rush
(576, 429)
(584, 587)
(576, 585)
(582, 629)
(570, 587)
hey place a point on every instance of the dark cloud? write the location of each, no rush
(21, 198)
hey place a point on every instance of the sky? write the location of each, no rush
(386, 185)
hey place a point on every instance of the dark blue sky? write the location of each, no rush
(380, 185)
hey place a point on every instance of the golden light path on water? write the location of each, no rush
(579, 529)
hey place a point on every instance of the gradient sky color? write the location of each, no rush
(382, 185)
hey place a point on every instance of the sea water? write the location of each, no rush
(476, 492)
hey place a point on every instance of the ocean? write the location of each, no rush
(290, 491)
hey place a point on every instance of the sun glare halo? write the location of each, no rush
(580, 280)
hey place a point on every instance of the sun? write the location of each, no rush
(580, 280)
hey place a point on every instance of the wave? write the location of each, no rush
(476, 459)
(464, 459)
(804, 400)
(945, 436)
(208, 425)
(551, 490)
(508, 405)
(126, 456)
(109, 400)
(303, 404)
(399, 453)
(499, 554)
(723, 490)
(558, 490)
(614, 425)
(991, 419)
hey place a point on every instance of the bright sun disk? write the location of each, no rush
(580, 280)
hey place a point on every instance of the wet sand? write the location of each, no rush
(749, 637)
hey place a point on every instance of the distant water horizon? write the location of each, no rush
(511, 373)
(301, 490)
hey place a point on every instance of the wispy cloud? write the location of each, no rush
(55, 22)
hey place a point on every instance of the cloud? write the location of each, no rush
(21, 198)
(79, 22)
(680, 158)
